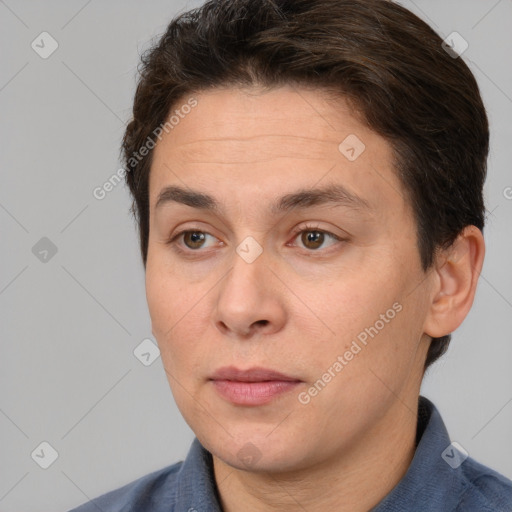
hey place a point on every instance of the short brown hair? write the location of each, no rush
(381, 57)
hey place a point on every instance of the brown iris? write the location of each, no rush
(312, 239)
(193, 239)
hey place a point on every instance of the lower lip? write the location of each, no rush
(253, 393)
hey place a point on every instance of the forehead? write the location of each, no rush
(289, 137)
(286, 115)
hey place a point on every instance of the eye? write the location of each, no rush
(193, 239)
(314, 238)
(311, 238)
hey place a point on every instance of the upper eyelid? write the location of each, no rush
(295, 231)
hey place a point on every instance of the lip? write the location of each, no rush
(254, 386)
(255, 374)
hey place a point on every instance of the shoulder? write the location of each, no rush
(171, 489)
(150, 492)
(485, 490)
(441, 476)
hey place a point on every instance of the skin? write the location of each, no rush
(298, 306)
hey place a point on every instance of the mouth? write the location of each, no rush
(255, 386)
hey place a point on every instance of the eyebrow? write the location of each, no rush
(333, 195)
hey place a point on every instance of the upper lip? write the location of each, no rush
(255, 374)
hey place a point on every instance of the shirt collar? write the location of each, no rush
(196, 489)
(430, 482)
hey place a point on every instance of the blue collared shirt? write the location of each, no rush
(439, 479)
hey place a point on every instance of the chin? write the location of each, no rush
(254, 449)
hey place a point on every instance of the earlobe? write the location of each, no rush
(457, 270)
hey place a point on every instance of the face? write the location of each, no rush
(282, 241)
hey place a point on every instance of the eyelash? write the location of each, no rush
(305, 228)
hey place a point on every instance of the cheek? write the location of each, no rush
(158, 291)
(340, 306)
(169, 293)
(174, 322)
(178, 316)
(165, 310)
(368, 317)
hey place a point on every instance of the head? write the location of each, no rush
(351, 149)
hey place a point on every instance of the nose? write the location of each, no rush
(250, 300)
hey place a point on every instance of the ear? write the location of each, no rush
(456, 273)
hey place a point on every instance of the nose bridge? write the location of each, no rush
(241, 288)
(246, 299)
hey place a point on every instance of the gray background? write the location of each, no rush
(70, 324)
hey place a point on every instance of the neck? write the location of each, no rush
(354, 480)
